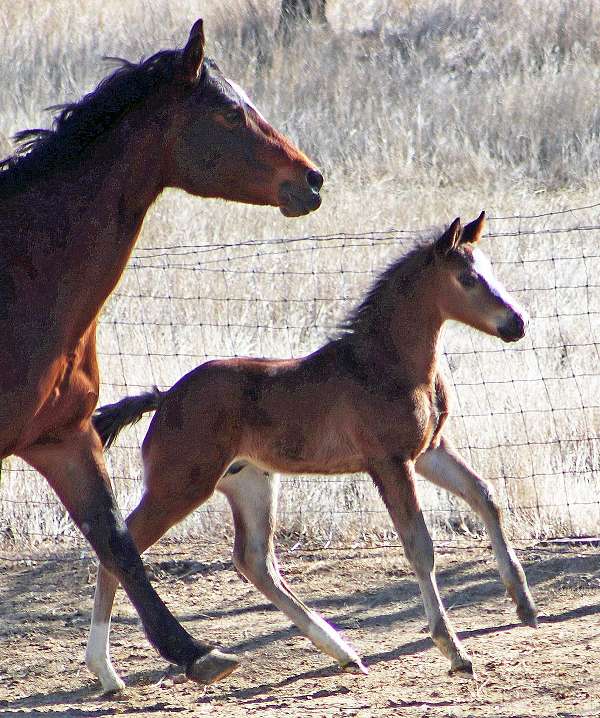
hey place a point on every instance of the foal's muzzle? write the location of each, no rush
(513, 329)
(302, 198)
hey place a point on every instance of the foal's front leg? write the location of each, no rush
(395, 480)
(444, 467)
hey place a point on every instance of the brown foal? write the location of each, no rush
(72, 203)
(371, 400)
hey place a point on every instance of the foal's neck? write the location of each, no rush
(416, 336)
(405, 341)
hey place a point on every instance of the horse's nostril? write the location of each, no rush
(520, 324)
(513, 329)
(314, 179)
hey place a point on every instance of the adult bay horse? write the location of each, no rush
(72, 203)
(371, 400)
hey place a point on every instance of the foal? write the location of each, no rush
(371, 400)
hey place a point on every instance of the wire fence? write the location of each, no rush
(526, 416)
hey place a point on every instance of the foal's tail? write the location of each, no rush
(110, 419)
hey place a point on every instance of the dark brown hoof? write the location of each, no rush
(357, 667)
(212, 667)
(528, 615)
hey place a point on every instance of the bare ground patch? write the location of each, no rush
(369, 594)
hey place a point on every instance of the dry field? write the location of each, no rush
(370, 594)
(417, 112)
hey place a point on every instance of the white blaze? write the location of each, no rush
(483, 267)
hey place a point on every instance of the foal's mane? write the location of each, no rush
(396, 280)
(78, 124)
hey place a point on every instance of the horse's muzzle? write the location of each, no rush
(296, 200)
(513, 329)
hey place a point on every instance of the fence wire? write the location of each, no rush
(526, 416)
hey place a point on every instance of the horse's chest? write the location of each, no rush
(431, 410)
(438, 412)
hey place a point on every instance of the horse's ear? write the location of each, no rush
(193, 53)
(450, 239)
(472, 232)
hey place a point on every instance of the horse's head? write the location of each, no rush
(221, 146)
(469, 291)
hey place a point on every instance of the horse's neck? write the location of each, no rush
(123, 177)
(88, 220)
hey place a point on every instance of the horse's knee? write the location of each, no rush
(113, 545)
(422, 563)
(488, 502)
(252, 562)
(418, 549)
(238, 560)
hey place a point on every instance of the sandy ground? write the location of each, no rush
(369, 594)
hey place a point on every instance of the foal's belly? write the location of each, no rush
(299, 451)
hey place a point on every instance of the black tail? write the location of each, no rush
(110, 419)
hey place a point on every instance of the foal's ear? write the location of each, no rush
(450, 239)
(193, 53)
(472, 232)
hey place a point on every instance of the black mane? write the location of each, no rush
(391, 283)
(79, 124)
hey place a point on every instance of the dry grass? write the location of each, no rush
(417, 112)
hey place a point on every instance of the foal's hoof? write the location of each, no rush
(528, 615)
(357, 667)
(212, 667)
(462, 666)
(113, 691)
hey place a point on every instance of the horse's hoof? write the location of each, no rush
(112, 687)
(463, 666)
(528, 615)
(212, 667)
(116, 692)
(357, 667)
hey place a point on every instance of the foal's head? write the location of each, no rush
(468, 290)
(221, 146)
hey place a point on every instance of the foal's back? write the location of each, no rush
(322, 413)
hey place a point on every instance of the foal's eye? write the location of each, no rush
(468, 279)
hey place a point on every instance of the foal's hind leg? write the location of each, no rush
(444, 467)
(395, 480)
(75, 469)
(169, 497)
(252, 495)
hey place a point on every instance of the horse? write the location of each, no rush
(72, 202)
(371, 399)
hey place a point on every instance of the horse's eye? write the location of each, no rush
(234, 118)
(468, 279)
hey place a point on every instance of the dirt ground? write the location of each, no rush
(369, 594)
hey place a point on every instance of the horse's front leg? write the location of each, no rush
(394, 478)
(444, 467)
(74, 467)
